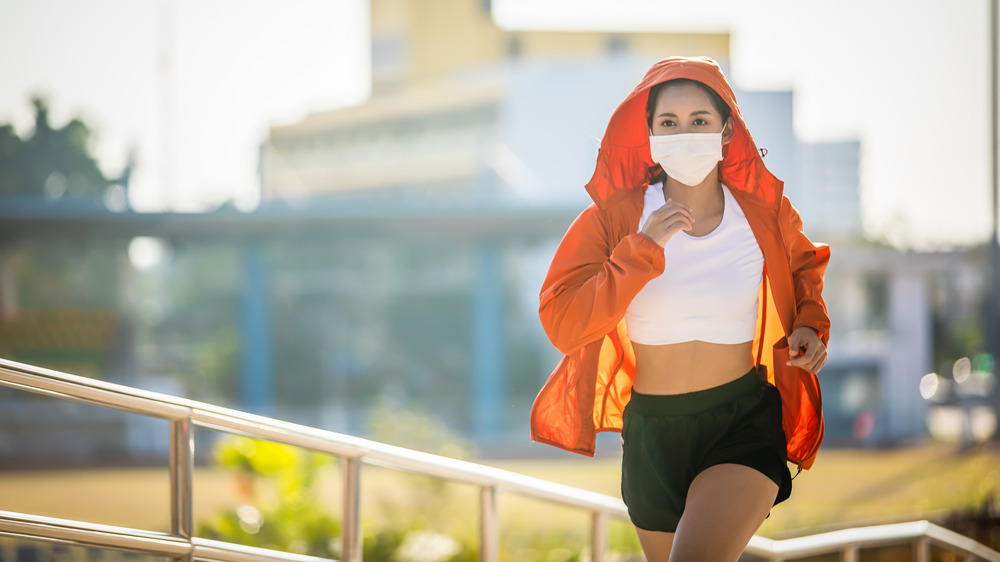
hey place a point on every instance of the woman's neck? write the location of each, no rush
(704, 199)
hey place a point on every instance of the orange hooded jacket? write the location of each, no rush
(603, 261)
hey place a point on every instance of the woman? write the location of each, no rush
(688, 304)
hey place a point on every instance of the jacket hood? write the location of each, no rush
(624, 162)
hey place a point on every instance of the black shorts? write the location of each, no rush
(667, 440)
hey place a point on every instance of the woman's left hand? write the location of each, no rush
(806, 350)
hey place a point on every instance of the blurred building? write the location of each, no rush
(462, 111)
(468, 117)
(400, 244)
(455, 98)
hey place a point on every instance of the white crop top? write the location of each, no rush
(709, 288)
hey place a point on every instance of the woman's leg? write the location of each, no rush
(726, 504)
(655, 544)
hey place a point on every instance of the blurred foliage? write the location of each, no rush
(414, 519)
(403, 425)
(51, 162)
(277, 488)
(289, 518)
(408, 516)
(979, 522)
(66, 297)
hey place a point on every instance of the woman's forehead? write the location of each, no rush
(687, 94)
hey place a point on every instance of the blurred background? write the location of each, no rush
(339, 213)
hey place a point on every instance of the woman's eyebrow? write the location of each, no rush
(699, 112)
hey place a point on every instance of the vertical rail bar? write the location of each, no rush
(350, 529)
(181, 467)
(598, 536)
(850, 553)
(489, 527)
(993, 310)
(923, 550)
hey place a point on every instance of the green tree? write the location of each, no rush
(62, 296)
(51, 162)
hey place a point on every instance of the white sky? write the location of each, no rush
(207, 84)
(909, 78)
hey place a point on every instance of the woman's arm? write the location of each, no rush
(808, 263)
(590, 283)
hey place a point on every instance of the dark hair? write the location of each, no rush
(654, 92)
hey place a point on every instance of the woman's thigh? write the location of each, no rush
(726, 504)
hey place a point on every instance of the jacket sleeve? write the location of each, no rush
(808, 262)
(590, 283)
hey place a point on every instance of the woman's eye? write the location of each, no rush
(700, 122)
(666, 123)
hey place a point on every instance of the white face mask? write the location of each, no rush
(687, 157)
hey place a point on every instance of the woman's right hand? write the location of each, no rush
(667, 221)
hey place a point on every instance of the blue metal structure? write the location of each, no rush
(489, 226)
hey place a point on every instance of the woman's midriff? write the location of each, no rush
(689, 366)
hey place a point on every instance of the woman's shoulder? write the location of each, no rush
(628, 203)
(612, 220)
(623, 206)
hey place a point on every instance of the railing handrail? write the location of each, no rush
(151, 403)
(136, 540)
(149, 542)
(869, 536)
(180, 545)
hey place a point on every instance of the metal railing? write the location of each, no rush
(180, 544)
(850, 542)
(354, 452)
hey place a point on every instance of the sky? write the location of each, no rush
(193, 85)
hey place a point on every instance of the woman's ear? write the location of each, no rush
(727, 133)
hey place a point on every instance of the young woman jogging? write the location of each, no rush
(688, 304)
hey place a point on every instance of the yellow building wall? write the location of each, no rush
(444, 37)
(658, 45)
(451, 35)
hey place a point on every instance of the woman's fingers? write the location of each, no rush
(809, 359)
(806, 350)
(667, 221)
(819, 363)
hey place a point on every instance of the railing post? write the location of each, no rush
(850, 553)
(489, 527)
(923, 547)
(351, 549)
(598, 536)
(181, 467)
